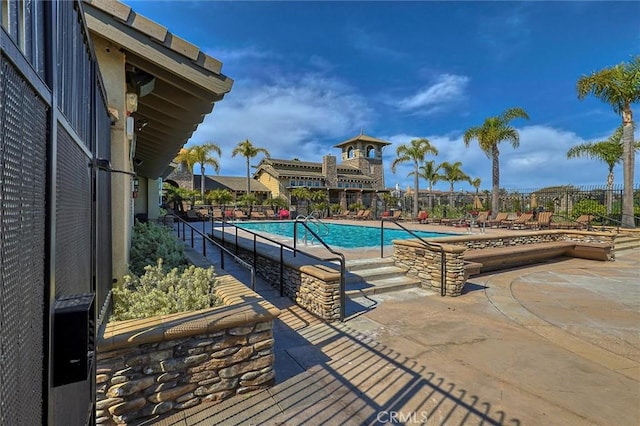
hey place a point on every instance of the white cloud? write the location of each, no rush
(295, 117)
(539, 161)
(447, 90)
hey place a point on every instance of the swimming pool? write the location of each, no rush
(339, 235)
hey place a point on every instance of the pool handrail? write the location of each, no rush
(339, 256)
(443, 264)
(223, 249)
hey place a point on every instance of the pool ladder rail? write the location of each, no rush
(321, 228)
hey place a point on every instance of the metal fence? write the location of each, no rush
(55, 239)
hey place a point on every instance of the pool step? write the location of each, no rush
(375, 276)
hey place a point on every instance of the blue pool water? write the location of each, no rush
(345, 236)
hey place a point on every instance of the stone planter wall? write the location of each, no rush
(425, 263)
(169, 363)
(315, 288)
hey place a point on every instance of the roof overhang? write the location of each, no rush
(186, 86)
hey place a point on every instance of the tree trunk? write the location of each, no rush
(430, 198)
(495, 180)
(609, 197)
(202, 182)
(248, 179)
(415, 194)
(628, 167)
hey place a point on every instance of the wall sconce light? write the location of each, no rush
(131, 102)
(136, 185)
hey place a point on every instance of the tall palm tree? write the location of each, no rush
(619, 86)
(453, 173)
(248, 150)
(610, 151)
(429, 172)
(476, 184)
(493, 131)
(200, 154)
(415, 153)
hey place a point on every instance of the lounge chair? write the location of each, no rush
(497, 222)
(192, 216)
(397, 215)
(239, 215)
(216, 214)
(543, 220)
(521, 221)
(365, 215)
(270, 214)
(204, 213)
(257, 216)
(422, 217)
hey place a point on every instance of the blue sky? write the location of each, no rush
(309, 75)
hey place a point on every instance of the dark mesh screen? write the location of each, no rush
(23, 141)
(73, 218)
(103, 206)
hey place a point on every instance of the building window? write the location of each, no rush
(350, 152)
(371, 151)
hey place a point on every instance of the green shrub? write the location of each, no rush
(158, 292)
(151, 242)
(588, 206)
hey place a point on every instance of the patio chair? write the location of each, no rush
(497, 222)
(397, 215)
(543, 220)
(365, 215)
(204, 213)
(239, 215)
(521, 221)
(257, 216)
(270, 214)
(422, 217)
(192, 216)
(216, 214)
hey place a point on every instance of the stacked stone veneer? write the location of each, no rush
(314, 287)
(170, 363)
(425, 262)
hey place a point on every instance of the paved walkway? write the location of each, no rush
(554, 344)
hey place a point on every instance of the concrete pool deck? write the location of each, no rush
(556, 344)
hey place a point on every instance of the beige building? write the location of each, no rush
(159, 89)
(358, 179)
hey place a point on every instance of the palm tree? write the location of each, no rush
(248, 150)
(220, 197)
(414, 152)
(429, 172)
(452, 174)
(493, 131)
(476, 184)
(610, 151)
(302, 193)
(199, 154)
(619, 86)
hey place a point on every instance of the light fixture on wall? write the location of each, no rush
(104, 165)
(131, 102)
(136, 186)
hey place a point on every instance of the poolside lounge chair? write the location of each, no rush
(543, 220)
(422, 217)
(582, 222)
(216, 214)
(239, 215)
(204, 213)
(257, 216)
(521, 221)
(270, 214)
(365, 215)
(497, 222)
(192, 216)
(397, 215)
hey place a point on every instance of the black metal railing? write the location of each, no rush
(294, 250)
(443, 258)
(223, 250)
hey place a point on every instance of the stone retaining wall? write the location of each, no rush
(315, 288)
(169, 363)
(425, 262)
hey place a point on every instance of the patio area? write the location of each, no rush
(556, 343)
